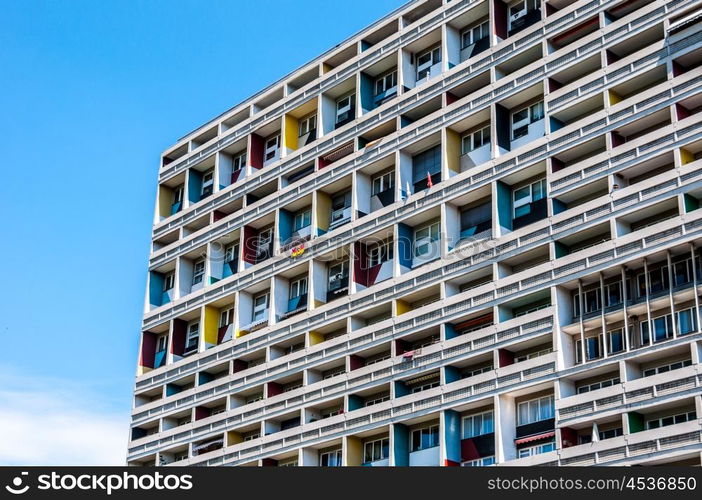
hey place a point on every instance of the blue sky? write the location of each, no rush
(92, 92)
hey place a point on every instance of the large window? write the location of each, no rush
(298, 288)
(378, 449)
(476, 219)
(474, 34)
(537, 449)
(582, 389)
(522, 118)
(426, 60)
(671, 420)
(386, 82)
(535, 410)
(524, 196)
(382, 252)
(382, 182)
(424, 237)
(302, 220)
(226, 317)
(424, 165)
(474, 140)
(271, 148)
(307, 124)
(169, 281)
(478, 424)
(231, 252)
(239, 161)
(193, 334)
(615, 341)
(178, 193)
(518, 12)
(345, 109)
(479, 462)
(161, 343)
(593, 348)
(338, 274)
(330, 458)
(666, 368)
(428, 437)
(207, 183)
(198, 271)
(260, 307)
(662, 329)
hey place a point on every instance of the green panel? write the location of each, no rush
(636, 422)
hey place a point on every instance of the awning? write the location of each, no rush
(535, 437)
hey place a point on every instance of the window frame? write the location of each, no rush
(432, 431)
(426, 67)
(538, 401)
(468, 422)
(531, 197)
(266, 296)
(307, 124)
(430, 236)
(384, 81)
(385, 181)
(484, 25)
(199, 269)
(297, 286)
(470, 139)
(531, 117)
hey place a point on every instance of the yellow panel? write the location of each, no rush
(613, 97)
(353, 451)
(290, 132)
(326, 68)
(234, 438)
(401, 307)
(323, 211)
(211, 325)
(453, 150)
(240, 333)
(686, 156)
(143, 369)
(164, 201)
(315, 338)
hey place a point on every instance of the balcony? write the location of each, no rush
(428, 457)
(478, 447)
(296, 305)
(338, 287)
(339, 217)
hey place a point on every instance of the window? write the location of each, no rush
(345, 108)
(682, 272)
(376, 400)
(671, 420)
(537, 449)
(426, 164)
(288, 463)
(522, 118)
(161, 343)
(476, 371)
(476, 219)
(424, 237)
(593, 348)
(169, 281)
(302, 220)
(298, 288)
(377, 358)
(178, 193)
(207, 183)
(263, 244)
(479, 462)
(231, 252)
(271, 148)
(376, 450)
(339, 204)
(198, 271)
(524, 196)
(337, 275)
(598, 385)
(611, 433)
(425, 386)
(260, 307)
(426, 60)
(331, 412)
(686, 321)
(307, 124)
(613, 294)
(251, 436)
(615, 341)
(428, 437)
(226, 317)
(666, 368)
(474, 140)
(519, 9)
(474, 34)
(478, 424)
(532, 355)
(253, 399)
(386, 83)
(192, 337)
(380, 253)
(330, 458)
(535, 410)
(239, 162)
(382, 182)
(662, 329)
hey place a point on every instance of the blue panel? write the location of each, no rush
(452, 435)
(367, 92)
(404, 241)
(401, 445)
(160, 359)
(156, 289)
(285, 225)
(504, 205)
(452, 374)
(194, 185)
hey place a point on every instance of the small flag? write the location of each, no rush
(429, 183)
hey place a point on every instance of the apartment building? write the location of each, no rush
(469, 235)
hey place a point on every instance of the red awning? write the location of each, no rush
(535, 437)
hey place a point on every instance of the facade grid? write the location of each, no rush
(468, 235)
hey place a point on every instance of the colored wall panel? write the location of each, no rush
(323, 212)
(452, 435)
(211, 325)
(404, 242)
(256, 151)
(291, 131)
(179, 331)
(453, 150)
(148, 350)
(400, 445)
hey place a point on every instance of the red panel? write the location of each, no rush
(569, 437)
(500, 19)
(356, 362)
(148, 350)
(178, 344)
(401, 347)
(202, 412)
(681, 111)
(256, 151)
(240, 365)
(505, 357)
(221, 332)
(217, 215)
(269, 462)
(273, 389)
(360, 274)
(468, 450)
(451, 463)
